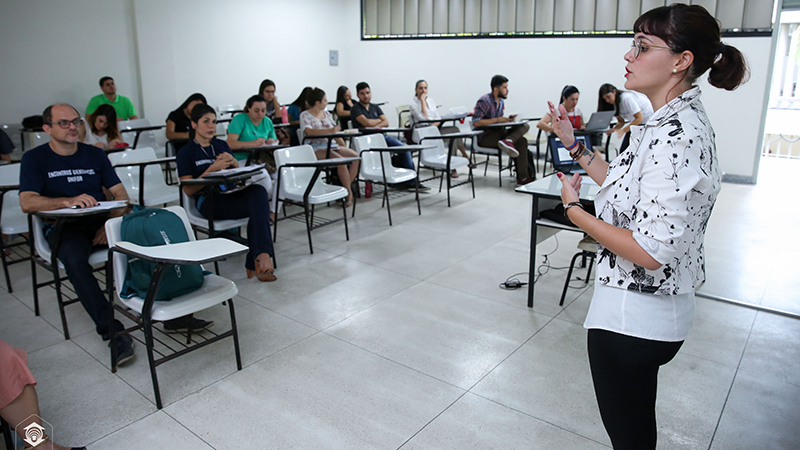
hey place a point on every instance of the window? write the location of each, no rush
(431, 19)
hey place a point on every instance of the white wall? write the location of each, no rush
(224, 50)
(56, 51)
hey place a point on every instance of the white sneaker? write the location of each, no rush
(507, 146)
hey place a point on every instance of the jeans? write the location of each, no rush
(74, 249)
(400, 159)
(251, 203)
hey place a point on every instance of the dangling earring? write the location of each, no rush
(674, 70)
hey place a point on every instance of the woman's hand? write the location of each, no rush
(562, 127)
(336, 129)
(259, 142)
(570, 187)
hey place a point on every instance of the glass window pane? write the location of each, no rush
(584, 15)
(606, 15)
(627, 14)
(398, 17)
(505, 16)
(384, 17)
(411, 18)
(524, 16)
(647, 5)
(758, 14)
(425, 11)
(488, 16)
(371, 17)
(563, 16)
(731, 15)
(472, 16)
(543, 15)
(456, 17)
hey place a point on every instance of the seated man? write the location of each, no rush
(365, 114)
(489, 110)
(122, 105)
(65, 173)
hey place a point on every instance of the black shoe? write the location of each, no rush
(124, 345)
(413, 187)
(182, 324)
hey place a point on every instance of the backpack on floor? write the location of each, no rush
(149, 228)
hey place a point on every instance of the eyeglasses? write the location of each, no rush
(638, 47)
(65, 123)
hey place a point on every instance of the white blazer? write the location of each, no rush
(663, 188)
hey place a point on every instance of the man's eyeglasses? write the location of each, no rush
(65, 123)
(638, 47)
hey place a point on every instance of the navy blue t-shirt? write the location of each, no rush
(358, 109)
(193, 160)
(87, 171)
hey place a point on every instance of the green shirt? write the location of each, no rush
(122, 105)
(243, 126)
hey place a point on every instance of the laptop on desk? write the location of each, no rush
(562, 162)
(599, 121)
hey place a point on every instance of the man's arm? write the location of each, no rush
(118, 193)
(33, 202)
(489, 121)
(362, 119)
(382, 122)
(5, 157)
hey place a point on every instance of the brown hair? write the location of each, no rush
(691, 27)
(112, 130)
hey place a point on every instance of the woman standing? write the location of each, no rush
(179, 122)
(102, 130)
(317, 120)
(653, 207)
(206, 154)
(569, 98)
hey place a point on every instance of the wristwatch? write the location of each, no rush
(570, 205)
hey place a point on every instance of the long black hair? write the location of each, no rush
(300, 101)
(194, 97)
(340, 94)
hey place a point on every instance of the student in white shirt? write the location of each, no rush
(423, 107)
(630, 107)
(653, 207)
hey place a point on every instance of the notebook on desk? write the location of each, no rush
(599, 121)
(562, 162)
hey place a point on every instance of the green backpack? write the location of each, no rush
(149, 228)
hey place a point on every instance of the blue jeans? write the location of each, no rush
(400, 159)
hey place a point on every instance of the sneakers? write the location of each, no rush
(182, 324)
(507, 145)
(124, 345)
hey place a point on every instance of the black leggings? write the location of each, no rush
(625, 376)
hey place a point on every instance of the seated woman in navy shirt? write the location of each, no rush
(205, 154)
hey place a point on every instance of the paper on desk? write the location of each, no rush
(235, 171)
(101, 207)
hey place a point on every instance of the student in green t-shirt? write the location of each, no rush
(251, 129)
(122, 105)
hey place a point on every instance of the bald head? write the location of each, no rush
(47, 115)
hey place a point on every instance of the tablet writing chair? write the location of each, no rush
(376, 167)
(144, 311)
(140, 173)
(299, 183)
(12, 220)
